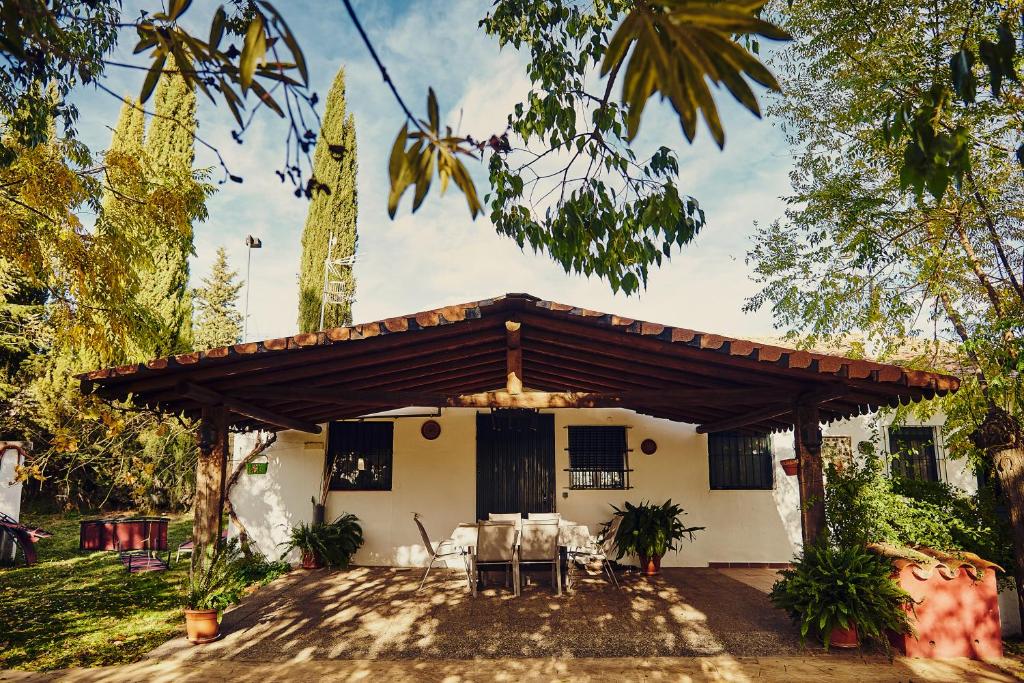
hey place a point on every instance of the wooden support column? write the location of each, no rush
(208, 505)
(513, 358)
(807, 437)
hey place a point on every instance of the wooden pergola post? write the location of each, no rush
(807, 437)
(211, 466)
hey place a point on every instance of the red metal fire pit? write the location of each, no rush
(957, 610)
(124, 533)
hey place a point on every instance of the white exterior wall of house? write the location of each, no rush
(438, 480)
(10, 492)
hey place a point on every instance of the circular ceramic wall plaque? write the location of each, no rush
(430, 430)
(648, 446)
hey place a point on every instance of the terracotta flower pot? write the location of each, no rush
(790, 466)
(845, 637)
(201, 625)
(311, 560)
(650, 566)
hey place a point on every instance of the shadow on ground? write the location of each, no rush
(376, 613)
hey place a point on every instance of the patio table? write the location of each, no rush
(570, 535)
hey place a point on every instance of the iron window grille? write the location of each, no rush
(360, 455)
(740, 461)
(912, 451)
(598, 457)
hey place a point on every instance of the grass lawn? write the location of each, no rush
(78, 608)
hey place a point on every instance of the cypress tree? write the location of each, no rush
(332, 212)
(218, 321)
(170, 151)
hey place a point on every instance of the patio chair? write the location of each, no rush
(442, 551)
(538, 545)
(603, 549)
(496, 547)
(544, 516)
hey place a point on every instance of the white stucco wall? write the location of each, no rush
(10, 491)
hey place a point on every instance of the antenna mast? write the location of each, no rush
(335, 293)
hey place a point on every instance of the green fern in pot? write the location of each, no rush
(332, 544)
(649, 531)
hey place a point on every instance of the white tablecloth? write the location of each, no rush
(570, 535)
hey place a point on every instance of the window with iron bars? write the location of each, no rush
(359, 454)
(598, 457)
(740, 461)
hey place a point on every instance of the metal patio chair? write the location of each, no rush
(496, 547)
(603, 549)
(538, 545)
(441, 552)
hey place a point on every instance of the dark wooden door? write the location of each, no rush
(515, 462)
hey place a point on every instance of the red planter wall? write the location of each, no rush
(956, 615)
(129, 533)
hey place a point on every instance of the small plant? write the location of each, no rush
(334, 544)
(218, 583)
(833, 587)
(649, 531)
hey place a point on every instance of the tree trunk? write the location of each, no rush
(1009, 467)
(1001, 436)
(208, 505)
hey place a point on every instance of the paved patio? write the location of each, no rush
(376, 613)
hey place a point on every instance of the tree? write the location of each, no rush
(906, 215)
(21, 314)
(170, 150)
(332, 213)
(218, 321)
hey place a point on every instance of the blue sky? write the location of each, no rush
(439, 256)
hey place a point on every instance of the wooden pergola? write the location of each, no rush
(513, 351)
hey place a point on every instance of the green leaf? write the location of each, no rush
(961, 66)
(432, 111)
(217, 28)
(152, 76)
(253, 51)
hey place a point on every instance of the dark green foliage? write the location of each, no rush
(333, 543)
(830, 587)
(651, 530)
(333, 209)
(224, 579)
(218, 321)
(863, 505)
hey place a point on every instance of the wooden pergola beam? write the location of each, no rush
(208, 397)
(773, 411)
(513, 358)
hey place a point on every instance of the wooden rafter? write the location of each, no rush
(207, 397)
(513, 358)
(772, 411)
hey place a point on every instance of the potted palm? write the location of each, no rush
(843, 596)
(332, 544)
(213, 586)
(649, 531)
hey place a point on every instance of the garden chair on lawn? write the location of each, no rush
(496, 547)
(538, 545)
(188, 546)
(22, 536)
(441, 552)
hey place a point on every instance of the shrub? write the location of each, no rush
(333, 543)
(863, 505)
(830, 587)
(651, 530)
(226, 576)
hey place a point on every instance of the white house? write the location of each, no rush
(536, 406)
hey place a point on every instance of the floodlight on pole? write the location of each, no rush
(250, 243)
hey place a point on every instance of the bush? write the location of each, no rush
(333, 543)
(830, 587)
(863, 505)
(228, 574)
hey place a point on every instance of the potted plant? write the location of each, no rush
(649, 531)
(332, 544)
(843, 596)
(790, 466)
(213, 586)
